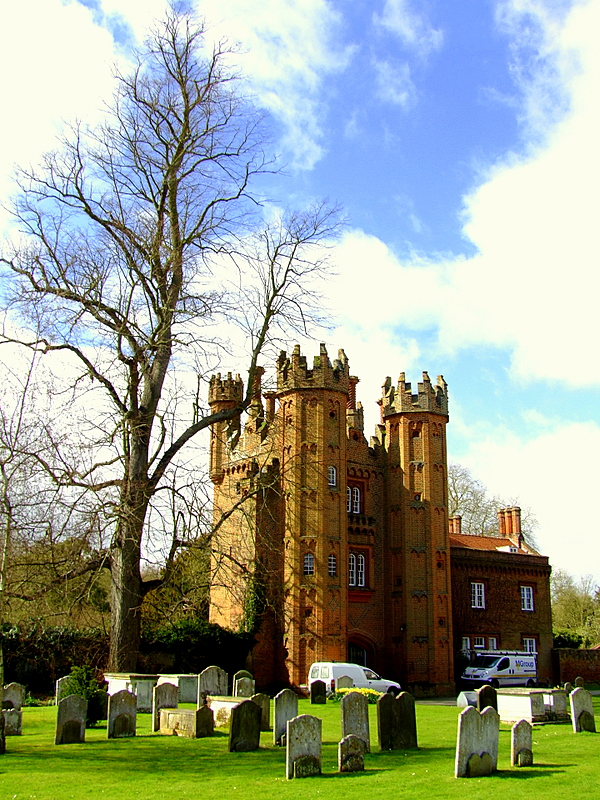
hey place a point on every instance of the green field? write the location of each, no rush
(152, 766)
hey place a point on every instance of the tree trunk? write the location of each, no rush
(126, 601)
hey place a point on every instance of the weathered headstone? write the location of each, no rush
(13, 721)
(187, 722)
(244, 727)
(477, 743)
(396, 722)
(243, 687)
(303, 747)
(285, 707)
(521, 744)
(122, 707)
(355, 717)
(487, 698)
(568, 687)
(213, 680)
(60, 692)
(579, 683)
(582, 711)
(318, 693)
(344, 682)
(264, 702)
(164, 695)
(70, 720)
(351, 754)
(14, 695)
(465, 699)
(241, 673)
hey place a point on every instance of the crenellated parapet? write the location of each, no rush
(225, 392)
(400, 398)
(293, 371)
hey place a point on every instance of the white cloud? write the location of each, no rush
(394, 83)
(554, 472)
(534, 284)
(288, 49)
(412, 28)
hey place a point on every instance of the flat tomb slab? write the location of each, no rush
(222, 708)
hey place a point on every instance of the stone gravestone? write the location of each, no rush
(241, 673)
(14, 695)
(244, 727)
(355, 717)
(477, 743)
(487, 698)
(205, 722)
(122, 707)
(521, 744)
(243, 687)
(59, 689)
(187, 722)
(579, 683)
(582, 711)
(285, 707)
(351, 754)
(264, 702)
(164, 695)
(396, 722)
(213, 681)
(568, 687)
(70, 720)
(344, 682)
(465, 699)
(13, 721)
(318, 693)
(303, 747)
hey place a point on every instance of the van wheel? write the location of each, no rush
(495, 684)
(530, 683)
(393, 691)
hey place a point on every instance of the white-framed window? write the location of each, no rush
(332, 476)
(479, 642)
(309, 564)
(360, 570)
(355, 500)
(466, 643)
(332, 565)
(351, 570)
(477, 594)
(529, 644)
(492, 643)
(526, 598)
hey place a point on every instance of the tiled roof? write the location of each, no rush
(481, 542)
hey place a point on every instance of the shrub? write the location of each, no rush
(82, 681)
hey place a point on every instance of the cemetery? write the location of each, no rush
(295, 744)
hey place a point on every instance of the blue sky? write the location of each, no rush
(461, 139)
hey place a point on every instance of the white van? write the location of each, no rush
(508, 668)
(362, 677)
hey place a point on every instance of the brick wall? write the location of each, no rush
(570, 664)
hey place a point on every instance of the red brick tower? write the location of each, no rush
(419, 625)
(313, 443)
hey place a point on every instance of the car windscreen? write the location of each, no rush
(484, 662)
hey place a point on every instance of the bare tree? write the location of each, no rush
(469, 498)
(127, 233)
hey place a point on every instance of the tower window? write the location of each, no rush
(357, 570)
(332, 566)
(354, 500)
(332, 476)
(309, 564)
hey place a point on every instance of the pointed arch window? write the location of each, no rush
(352, 569)
(332, 565)
(309, 564)
(357, 570)
(332, 476)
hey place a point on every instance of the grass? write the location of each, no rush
(150, 766)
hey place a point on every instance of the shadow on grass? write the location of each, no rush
(540, 770)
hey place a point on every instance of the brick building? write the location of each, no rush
(333, 547)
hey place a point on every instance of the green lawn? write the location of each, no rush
(152, 766)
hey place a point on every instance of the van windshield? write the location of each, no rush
(484, 662)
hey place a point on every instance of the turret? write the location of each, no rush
(293, 372)
(223, 394)
(399, 399)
